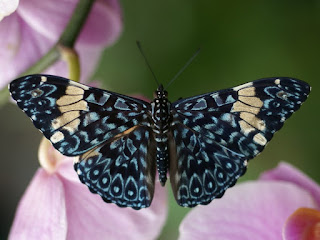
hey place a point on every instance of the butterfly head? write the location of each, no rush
(160, 93)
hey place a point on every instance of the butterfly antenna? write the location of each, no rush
(145, 59)
(183, 68)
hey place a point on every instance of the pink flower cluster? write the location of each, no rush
(283, 204)
(56, 205)
(35, 26)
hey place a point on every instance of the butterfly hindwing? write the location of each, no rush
(73, 116)
(233, 124)
(200, 168)
(121, 170)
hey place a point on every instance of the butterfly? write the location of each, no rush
(204, 142)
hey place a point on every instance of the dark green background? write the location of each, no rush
(240, 41)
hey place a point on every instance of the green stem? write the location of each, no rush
(67, 38)
(62, 49)
(78, 18)
(71, 58)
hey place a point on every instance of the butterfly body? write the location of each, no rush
(204, 142)
(161, 118)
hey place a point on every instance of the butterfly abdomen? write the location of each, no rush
(160, 111)
(162, 157)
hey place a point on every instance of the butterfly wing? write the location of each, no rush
(215, 134)
(122, 169)
(109, 131)
(73, 116)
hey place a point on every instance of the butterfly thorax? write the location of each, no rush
(160, 111)
(160, 108)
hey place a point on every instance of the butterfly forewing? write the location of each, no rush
(73, 116)
(216, 133)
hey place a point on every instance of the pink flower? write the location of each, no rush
(31, 31)
(256, 209)
(57, 206)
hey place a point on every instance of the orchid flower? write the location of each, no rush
(56, 205)
(29, 32)
(283, 204)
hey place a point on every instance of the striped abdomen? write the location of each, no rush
(161, 118)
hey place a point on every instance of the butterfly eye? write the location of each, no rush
(36, 93)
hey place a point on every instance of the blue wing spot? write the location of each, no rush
(121, 105)
(200, 105)
(104, 180)
(90, 118)
(230, 99)
(91, 98)
(103, 100)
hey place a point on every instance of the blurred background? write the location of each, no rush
(240, 41)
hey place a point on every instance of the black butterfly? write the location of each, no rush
(205, 141)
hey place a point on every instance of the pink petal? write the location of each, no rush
(9, 37)
(25, 47)
(41, 211)
(288, 173)
(89, 58)
(303, 224)
(48, 17)
(30, 47)
(30, 32)
(104, 24)
(10, 34)
(66, 171)
(89, 217)
(252, 210)
(102, 27)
